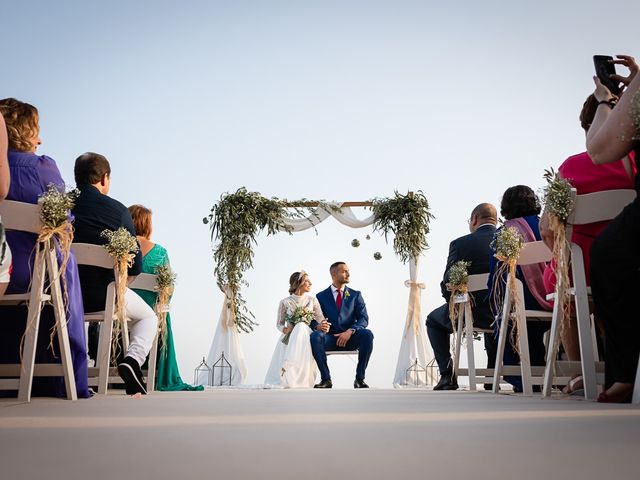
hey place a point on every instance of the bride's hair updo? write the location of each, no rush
(295, 280)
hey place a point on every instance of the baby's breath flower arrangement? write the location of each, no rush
(635, 114)
(55, 215)
(558, 199)
(407, 217)
(458, 275)
(507, 245)
(122, 246)
(165, 283)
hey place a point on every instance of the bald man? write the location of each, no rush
(474, 248)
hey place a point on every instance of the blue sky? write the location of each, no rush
(332, 100)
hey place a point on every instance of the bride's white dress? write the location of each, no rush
(292, 365)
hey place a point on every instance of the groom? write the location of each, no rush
(346, 328)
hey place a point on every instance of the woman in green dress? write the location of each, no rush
(153, 256)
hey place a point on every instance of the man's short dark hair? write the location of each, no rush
(335, 265)
(90, 168)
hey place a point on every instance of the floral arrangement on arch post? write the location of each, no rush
(123, 247)
(407, 217)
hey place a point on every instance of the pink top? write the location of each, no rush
(587, 177)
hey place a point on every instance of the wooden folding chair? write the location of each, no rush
(465, 326)
(25, 217)
(588, 208)
(532, 252)
(146, 281)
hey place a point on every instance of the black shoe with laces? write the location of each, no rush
(130, 371)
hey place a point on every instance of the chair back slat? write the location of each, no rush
(478, 282)
(20, 216)
(599, 206)
(534, 252)
(92, 255)
(144, 281)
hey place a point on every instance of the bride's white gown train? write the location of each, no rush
(292, 365)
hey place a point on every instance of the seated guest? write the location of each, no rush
(520, 208)
(5, 252)
(615, 254)
(94, 212)
(153, 256)
(31, 175)
(586, 177)
(474, 248)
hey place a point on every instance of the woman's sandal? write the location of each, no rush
(574, 387)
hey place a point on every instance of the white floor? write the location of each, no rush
(381, 434)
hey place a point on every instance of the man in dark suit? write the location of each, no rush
(346, 328)
(94, 212)
(474, 248)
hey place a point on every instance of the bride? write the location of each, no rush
(292, 365)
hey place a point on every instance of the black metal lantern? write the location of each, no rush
(202, 369)
(221, 374)
(432, 373)
(414, 373)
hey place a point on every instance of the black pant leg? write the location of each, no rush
(439, 330)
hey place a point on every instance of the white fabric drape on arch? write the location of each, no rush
(413, 346)
(226, 340)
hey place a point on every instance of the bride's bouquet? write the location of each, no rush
(299, 315)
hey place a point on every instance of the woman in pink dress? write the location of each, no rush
(586, 177)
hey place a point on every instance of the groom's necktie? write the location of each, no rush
(339, 299)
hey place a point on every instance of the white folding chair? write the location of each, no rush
(25, 217)
(465, 324)
(532, 252)
(100, 375)
(588, 208)
(147, 281)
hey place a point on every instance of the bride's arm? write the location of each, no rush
(281, 322)
(318, 316)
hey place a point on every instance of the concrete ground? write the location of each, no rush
(311, 434)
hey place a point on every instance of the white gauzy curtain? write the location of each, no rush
(343, 214)
(414, 346)
(226, 340)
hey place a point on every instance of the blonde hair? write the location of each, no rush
(295, 280)
(22, 123)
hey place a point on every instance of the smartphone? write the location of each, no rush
(604, 70)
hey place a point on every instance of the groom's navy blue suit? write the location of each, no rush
(352, 315)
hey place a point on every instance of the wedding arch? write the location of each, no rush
(238, 218)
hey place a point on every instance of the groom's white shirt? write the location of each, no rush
(334, 290)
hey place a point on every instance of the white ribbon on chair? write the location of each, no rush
(227, 340)
(414, 344)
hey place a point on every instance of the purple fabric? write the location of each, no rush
(533, 274)
(30, 176)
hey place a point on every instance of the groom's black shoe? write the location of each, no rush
(447, 382)
(360, 384)
(324, 384)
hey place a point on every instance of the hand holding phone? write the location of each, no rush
(605, 68)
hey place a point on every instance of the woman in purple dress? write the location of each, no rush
(31, 174)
